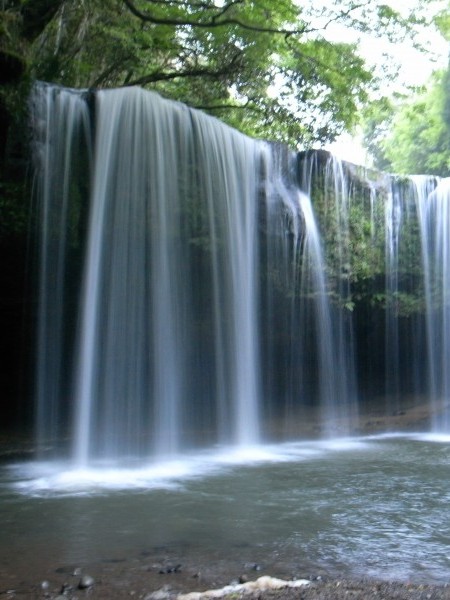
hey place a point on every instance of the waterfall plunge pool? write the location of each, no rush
(374, 507)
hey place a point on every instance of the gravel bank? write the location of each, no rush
(336, 589)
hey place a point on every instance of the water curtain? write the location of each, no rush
(198, 287)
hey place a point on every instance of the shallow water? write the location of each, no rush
(373, 506)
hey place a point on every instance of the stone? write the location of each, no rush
(161, 594)
(86, 582)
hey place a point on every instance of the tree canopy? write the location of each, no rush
(410, 132)
(271, 69)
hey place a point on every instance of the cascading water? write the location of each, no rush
(335, 338)
(167, 341)
(153, 161)
(197, 288)
(387, 252)
(191, 244)
(298, 305)
(416, 338)
(61, 160)
(393, 223)
(402, 279)
(434, 219)
(200, 289)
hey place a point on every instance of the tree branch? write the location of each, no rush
(341, 16)
(187, 4)
(247, 106)
(202, 72)
(217, 21)
(210, 22)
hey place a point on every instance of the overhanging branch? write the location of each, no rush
(201, 72)
(216, 20)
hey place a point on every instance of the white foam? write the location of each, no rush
(439, 438)
(65, 478)
(343, 444)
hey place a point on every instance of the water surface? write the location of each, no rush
(374, 506)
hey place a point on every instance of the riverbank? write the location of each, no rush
(335, 589)
(180, 577)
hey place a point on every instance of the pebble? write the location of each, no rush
(170, 569)
(86, 582)
(66, 587)
(45, 585)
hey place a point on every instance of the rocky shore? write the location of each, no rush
(319, 589)
(143, 579)
(361, 590)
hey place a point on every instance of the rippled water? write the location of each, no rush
(376, 506)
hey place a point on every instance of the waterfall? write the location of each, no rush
(387, 253)
(166, 344)
(200, 288)
(59, 160)
(416, 322)
(186, 268)
(394, 216)
(434, 219)
(331, 299)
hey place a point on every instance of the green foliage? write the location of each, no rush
(353, 231)
(410, 132)
(377, 123)
(442, 22)
(352, 216)
(266, 68)
(414, 135)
